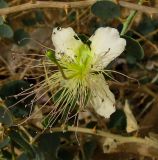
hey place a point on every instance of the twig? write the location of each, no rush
(78, 4)
(146, 40)
(129, 19)
(143, 88)
(148, 147)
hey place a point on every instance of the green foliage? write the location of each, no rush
(134, 51)
(6, 31)
(29, 21)
(37, 17)
(23, 156)
(51, 55)
(4, 142)
(38, 156)
(19, 105)
(48, 144)
(3, 4)
(89, 148)
(35, 141)
(1, 20)
(147, 25)
(105, 9)
(72, 16)
(5, 116)
(18, 139)
(21, 37)
(5, 155)
(65, 153)
(30, 152)
(117, 121)
(91, 124)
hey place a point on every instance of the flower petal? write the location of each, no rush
(107, 44)
(103, 100)
(65, 41)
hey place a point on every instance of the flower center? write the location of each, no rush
(80, 66)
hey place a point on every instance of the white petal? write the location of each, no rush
(103, 100)
(65, 41)
(107, 44)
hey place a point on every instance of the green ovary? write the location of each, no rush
(80, 67)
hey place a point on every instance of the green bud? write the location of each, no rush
(51, 55)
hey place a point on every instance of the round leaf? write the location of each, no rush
(5, 116)
(21, 141)
(134, 51)
(118, 120)
(39, 16)
(105, 9)
(29, 21)
(6, 31)
(65, 153)
(49, 143)
(89, 148)
(3, 4)
(21, 37)
(1, 20)
(19, 105)
(4, 142)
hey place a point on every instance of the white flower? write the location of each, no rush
(64, 41)
(84, 66)
(107, 41)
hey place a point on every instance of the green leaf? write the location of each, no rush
(4, 142)
(39, 16)
(89, 148)
(18, 139)
(51, 55)
(146, 25)
(118, 120)
(38, 155)
(3, 4)
(91, 124)
(6, 155)
(105, 9)
(49, 143)
(145, 79)
(1, 20)
(29, 21)
(5, 116)
(21, 37)
(23, 156)
(6, 31)
(21, 105)
(72, 16)
(134, 51)
(65, 153)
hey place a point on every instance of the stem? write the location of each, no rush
(129, 144)
(52, 57)
(129, 19)
(62, 72)
(77, 4)
(12, 151)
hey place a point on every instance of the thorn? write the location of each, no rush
(94, 129)
(64, 127)
(66, 9)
